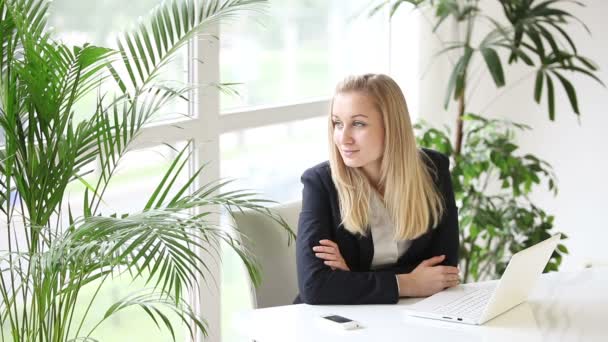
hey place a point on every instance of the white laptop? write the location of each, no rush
(478, 303)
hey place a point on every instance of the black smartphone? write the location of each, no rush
(341, 321)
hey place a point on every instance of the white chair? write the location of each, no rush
(267, 240)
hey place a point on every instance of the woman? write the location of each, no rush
(379, 220)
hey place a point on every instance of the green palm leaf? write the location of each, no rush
(152, 44)
(153, 304)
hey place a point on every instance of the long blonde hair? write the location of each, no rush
(410, 194)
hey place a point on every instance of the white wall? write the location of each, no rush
(576, 150)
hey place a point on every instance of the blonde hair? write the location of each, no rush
(410, 194)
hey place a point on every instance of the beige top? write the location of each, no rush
(386, 250)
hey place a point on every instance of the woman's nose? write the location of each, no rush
(346, 137)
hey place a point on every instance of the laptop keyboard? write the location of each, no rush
(470, 305)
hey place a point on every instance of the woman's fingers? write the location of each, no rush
(452, 283)
(451, 277)
(330, 254)
(448, 269)
(330, 243)
(336, 264)
(450, 280)
(326, 253)
(326, 256)
(323, 249)
(329, 247)
(446, 278)
(433, 261)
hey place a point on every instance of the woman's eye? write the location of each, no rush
(358, 124)
(337, 124)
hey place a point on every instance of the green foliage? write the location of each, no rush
(495, 223)
(48, 262)
(531, 31)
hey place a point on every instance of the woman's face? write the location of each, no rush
(358, 131)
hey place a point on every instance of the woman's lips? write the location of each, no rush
(349, 153)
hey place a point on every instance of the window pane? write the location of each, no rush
(77, 22)
(134, 181)
(299, 49)
(139, 173)
(271, 160)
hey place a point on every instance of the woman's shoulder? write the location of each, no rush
(434, 159)
(319, 177)
(437, 163)
(320, 170)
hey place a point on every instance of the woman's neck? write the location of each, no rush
(372, 173)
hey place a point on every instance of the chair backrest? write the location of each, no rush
(267, 240)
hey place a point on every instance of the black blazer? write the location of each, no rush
(320, 219)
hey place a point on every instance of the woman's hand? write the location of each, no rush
(330, 253)
(428, 278)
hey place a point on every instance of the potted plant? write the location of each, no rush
(532, 33)
(46, 264)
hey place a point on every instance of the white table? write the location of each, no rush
(562, 307)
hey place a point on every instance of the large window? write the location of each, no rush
(75, 23)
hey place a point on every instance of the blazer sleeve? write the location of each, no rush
(445, 238)
(317, 282)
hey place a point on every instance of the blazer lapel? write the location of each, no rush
(366, 251)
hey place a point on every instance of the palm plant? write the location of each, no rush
(529, 33)
(47, 263)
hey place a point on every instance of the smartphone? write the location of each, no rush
(341, 322)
